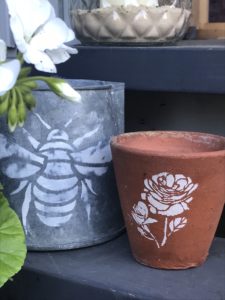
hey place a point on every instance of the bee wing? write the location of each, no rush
(94, 159)
(82, 142)
(17, 162)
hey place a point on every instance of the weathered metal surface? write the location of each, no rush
(57, 170)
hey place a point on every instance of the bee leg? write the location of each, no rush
(88, 210)
(85, 198)
(88, 182)
(26, 207)
(22, 185)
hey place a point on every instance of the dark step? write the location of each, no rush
(108, 272)
(189, 66)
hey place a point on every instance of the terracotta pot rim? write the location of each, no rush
(115, 143)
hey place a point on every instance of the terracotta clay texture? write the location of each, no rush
(172, 192)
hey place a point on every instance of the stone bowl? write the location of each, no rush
(131, 24)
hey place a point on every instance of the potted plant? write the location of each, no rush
(12, 241)
(57, 167)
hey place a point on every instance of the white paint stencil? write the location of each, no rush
(56, 174)
(167, 195)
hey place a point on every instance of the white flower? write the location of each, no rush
(168, 194)
(9, 71)
(39, 34)
(109, 3)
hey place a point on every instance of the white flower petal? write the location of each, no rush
(170, 180)
(41, 60)
(176, 198)
(156, 177)
(58, 56)
(18, 33)
(51, 36)
(159, 190)
(146, 183)
(143, 196)
(156, 196)
(189, 200)
(150, 2)
(157, 204)
(109, 3)
(194, 187)
(173, 210)
(70, 35)
(185, 206)
(3, 51)
(131, 2)
(9, 73)
(180, 176)
(61, 55)
(70, 50)
(182, 183)
(32, 13)
(153, 210)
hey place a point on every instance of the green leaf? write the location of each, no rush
(12, 242)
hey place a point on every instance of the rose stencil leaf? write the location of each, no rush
(12, 242)
(150, 221)
(177, 224)
(143, 233)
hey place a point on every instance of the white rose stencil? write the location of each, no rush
(167, 195)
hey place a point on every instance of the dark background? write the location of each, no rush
(216, 11)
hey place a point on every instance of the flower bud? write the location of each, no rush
(29, 101)
(21, 113)
(4, 104)
(12, 118)
(63, 89)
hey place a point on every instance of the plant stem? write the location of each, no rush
(165, 233)
(20, 58)
(34, 78)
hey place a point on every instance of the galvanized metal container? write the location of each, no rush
(57, 170)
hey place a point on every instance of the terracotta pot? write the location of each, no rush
(172, 190)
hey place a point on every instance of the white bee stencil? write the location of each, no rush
(62, 169)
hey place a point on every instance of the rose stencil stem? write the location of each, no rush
(145, 227)
(165, 232)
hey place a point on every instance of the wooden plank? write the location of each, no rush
(205, 29)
